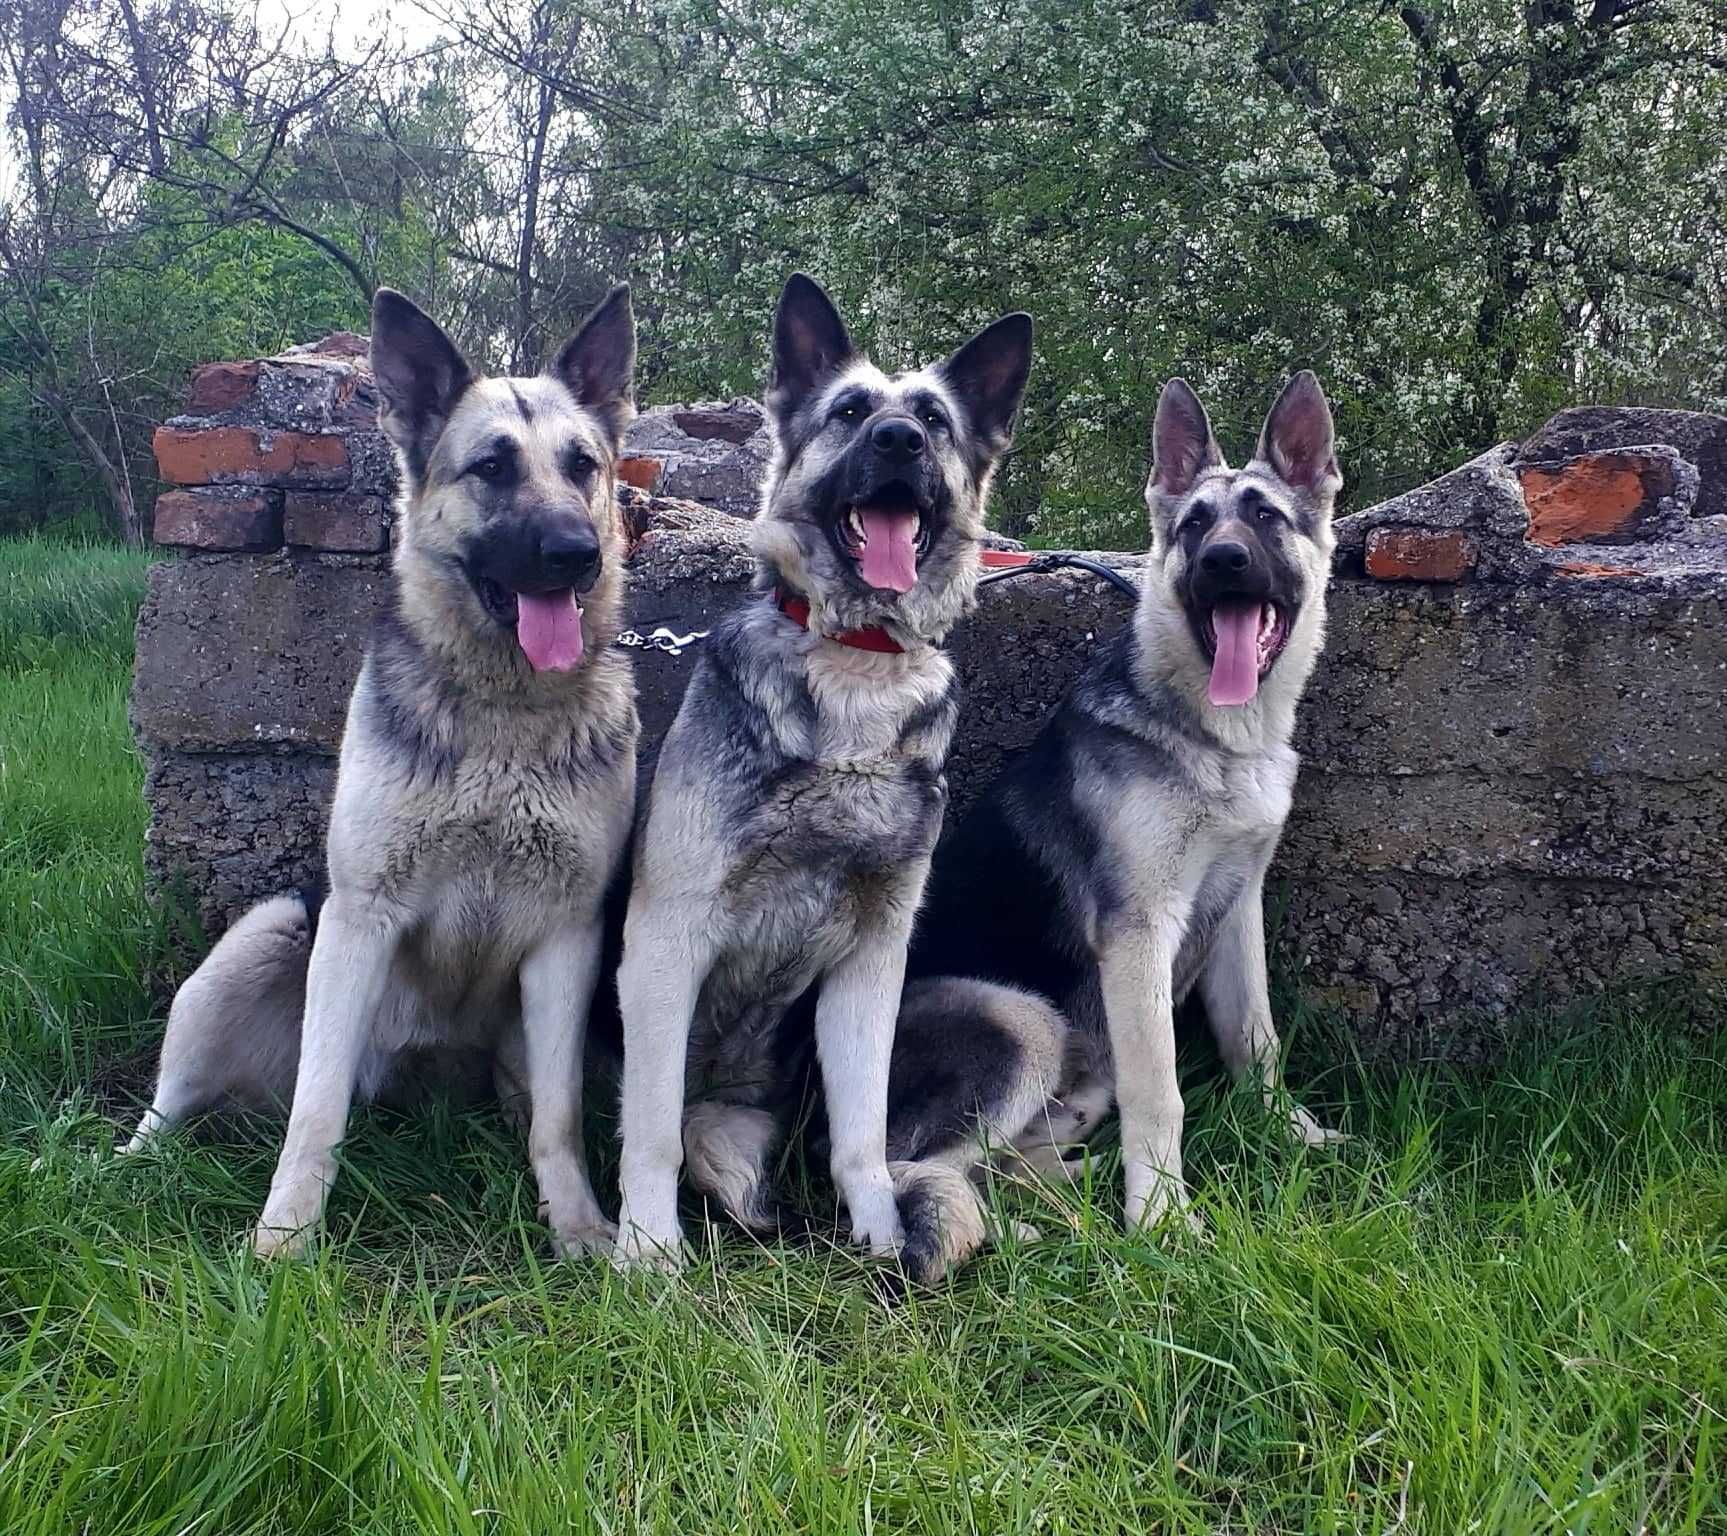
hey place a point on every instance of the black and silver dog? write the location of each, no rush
(1120, 861)
(800, 791)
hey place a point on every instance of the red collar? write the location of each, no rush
(798, 609)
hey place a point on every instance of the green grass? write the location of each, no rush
(1504, 1309)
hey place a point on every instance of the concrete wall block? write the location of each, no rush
(229, 829)
(1432, 967)
(249, 653)
(1465, 825)
(1591, 678)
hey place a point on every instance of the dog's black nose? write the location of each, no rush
(899, 439)
(570, 557)
(1225, 559)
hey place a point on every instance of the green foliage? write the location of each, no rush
(1463, 213)
(1462, 216)
(1503, 1308)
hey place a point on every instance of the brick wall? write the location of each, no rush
(1513, 788)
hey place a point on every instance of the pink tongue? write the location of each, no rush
(1235, 668)
(890, 548)
(549, 630)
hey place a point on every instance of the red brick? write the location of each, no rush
(1597, 498)
(1420, 554)
(221, 386)
(215, 520)
(644, 474)
(731, 426)
(341, 344)
(240, 456)
(355, 525)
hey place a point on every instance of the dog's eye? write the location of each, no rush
(488, 468)
(577, 464)
(1266, 514)
(848, 413)
(934, 418)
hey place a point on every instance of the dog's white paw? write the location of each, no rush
(592, 1239)
(1161, 1202)
(882, 1241)
(639, 1252)
(1305, 1131)
(281, 1242)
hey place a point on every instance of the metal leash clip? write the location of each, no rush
(662, 639)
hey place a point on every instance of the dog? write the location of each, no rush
(484, 795)
(800, 790)
(1119, 861)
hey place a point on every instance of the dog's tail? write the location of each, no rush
(943, 1217)
(728, 1151)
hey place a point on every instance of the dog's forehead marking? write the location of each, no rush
(537, 416)
(897, 388)
(1263, 481)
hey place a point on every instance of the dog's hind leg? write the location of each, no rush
(1053, 1144)
(234, 1027)
(1238, 1006)
(974, 1066)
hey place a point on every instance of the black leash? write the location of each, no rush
(1053, 562)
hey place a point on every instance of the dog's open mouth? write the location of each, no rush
(887, 536)
(548, 625)
(1244, 639)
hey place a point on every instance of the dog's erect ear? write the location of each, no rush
(420, 375)
(1182, 443)
(1298, 440)
(598, 364)
(988, 375)
(811, 344)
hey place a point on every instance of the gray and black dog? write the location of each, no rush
(800, 791)
(1120, 861)
(483, 801)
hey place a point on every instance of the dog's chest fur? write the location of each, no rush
(1221, 846)
(512, 827)
(819, 770)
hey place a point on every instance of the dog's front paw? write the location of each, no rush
(269, 1242)
(1305, 1131)
(1159, 1199)
(639, 1251)
(883, 1241)
(583, 1240)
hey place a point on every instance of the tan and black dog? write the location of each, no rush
(484, 796)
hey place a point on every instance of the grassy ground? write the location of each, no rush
(1503, 1310)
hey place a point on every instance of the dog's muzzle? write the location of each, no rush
(1241, 623)
(530, 577)
(886, 517)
